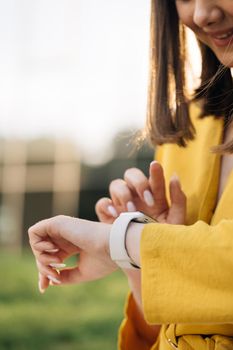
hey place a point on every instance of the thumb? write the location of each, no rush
(177, 211)
(69, 275)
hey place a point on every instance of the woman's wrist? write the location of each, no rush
(102, 233)
(132, 241)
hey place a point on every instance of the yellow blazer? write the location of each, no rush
(187, 270)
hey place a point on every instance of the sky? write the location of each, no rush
(75, 69)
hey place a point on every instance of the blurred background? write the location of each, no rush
(73, 93)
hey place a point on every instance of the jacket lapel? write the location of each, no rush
(197, 167)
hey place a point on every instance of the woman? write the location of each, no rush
(186, 258)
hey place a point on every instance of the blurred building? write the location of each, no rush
(38, 179)
(44, 177)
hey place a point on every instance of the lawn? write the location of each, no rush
(83, 317)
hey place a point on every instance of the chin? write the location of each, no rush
(224, 55)
(227, 61)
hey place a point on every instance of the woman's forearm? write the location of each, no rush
(133, 238)
(134, 280)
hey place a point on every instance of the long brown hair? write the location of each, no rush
(168, 105)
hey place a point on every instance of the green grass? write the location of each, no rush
(83, 317)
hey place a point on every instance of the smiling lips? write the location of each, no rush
(223, 38)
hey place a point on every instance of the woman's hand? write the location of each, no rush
(53, 240)
(137, 192)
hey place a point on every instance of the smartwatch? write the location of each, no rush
(117, 240)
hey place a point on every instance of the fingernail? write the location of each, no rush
(53, 279)
(130, 206)
(175, 177)
(55, 250)
(176, 181)
(40, 289)
(57, 266)
(154, 162)
(148, 198)
(112, 211)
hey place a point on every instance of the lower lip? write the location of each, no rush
(223, 42)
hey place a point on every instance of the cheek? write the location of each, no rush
(185, 14)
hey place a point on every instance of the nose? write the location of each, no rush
(207, 13)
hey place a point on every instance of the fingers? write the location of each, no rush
(70, 276)
(177, 211)
(60, 230)
(122, 196)
(48, 260)
(138, 183)
(105, 210)
(135, 192)
(48, 272)
(46, 246)
(47, 253)
(152, 191)
(43, 283)
(71, 235)
(108, 209)
(47, 276)
(157, 185)
(39, 231)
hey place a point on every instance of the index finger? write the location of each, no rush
(138, 183)
(38, 232)
(157, 184)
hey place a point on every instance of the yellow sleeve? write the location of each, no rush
(187, 273)
(135, 333)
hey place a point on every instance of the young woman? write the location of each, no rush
(186, 258)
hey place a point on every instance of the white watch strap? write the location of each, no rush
(117, 238)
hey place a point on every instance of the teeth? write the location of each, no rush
(224, 36)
